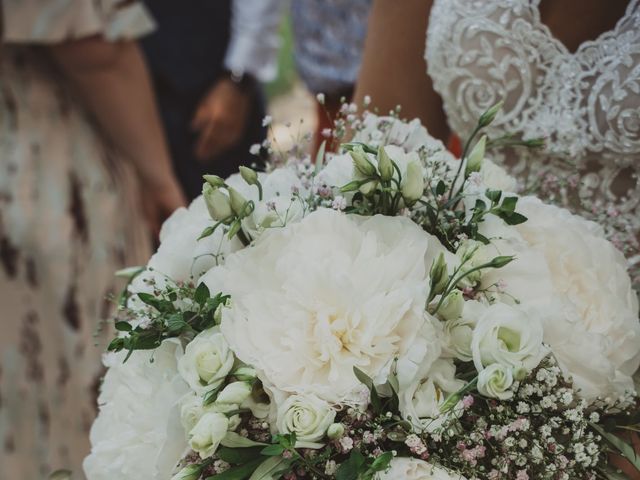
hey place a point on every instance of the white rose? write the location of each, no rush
(333, 291)
(191, 410)
(459, 332)
(205, 437)
(421, 400)
(495, 381)
(509, 336)
(308, 417)
(206, 362)
(407, 468)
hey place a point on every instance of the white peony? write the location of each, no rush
(207, 361)
(496, 177)
(406, 468)
(577, 281)
(315, 299)
(594, 305)
(308, 417)
(420, 400)
(508, 336)
(135, 435)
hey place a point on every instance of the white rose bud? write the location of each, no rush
(413, 183)
(238, 202)
(206, 362)
(361, 163)
(307, 416)
(236, 392)
(385, 166)
(439, 276)
(249, 175)
(190, 472)
(335, 431)
(217, 203)
(245, 374)
(205, 437)
(475, 158)
(495, 381)
(452, 305)
(214, 180)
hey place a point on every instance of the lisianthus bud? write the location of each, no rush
(385, 166)
(361, 162)
(60, 475)
(439, 275)
(495, 381)
(488, 116)
(335, 431)
(413, 183)
(217, 203)
(368, 188)
(214, 180)
(238, 202)
(235, 392)
(452, 305)
(249, 175)
(501, 261)
(190, 472)
(245, 374)
(475, 158)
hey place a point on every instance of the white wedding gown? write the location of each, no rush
(586, 103)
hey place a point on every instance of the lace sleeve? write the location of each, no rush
(50, 21)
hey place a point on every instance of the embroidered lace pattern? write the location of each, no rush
(587, 104)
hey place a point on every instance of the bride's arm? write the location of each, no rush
(394, 70)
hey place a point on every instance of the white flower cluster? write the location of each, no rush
(379, 292)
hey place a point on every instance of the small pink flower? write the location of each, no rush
(522, 475)
(467, 401)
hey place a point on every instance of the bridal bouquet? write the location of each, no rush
(388, 312)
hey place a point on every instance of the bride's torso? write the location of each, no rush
(586, 103)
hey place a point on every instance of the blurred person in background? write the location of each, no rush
(329, 39)
(207, 60)
(78, 132)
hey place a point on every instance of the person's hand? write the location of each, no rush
(160, 201)
(622, 463)
(220, 119)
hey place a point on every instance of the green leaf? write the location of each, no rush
(509, 204)
(148, 299)
(270, 468)
(211, 396)
(352, 467)
(514, 218)
(381, 463)
(363, 378)
(202, 294)
(237, 456)
(123, 326)
(272, 450)
(480, 205)
(241, 472)
(234, 440)
(440, 188)
(175, 323)
(60, 475)
(620, 445)
(493, 195)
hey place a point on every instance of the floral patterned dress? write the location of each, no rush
(67, 222)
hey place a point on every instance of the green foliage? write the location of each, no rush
(176, 311)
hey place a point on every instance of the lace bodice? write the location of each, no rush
(587, 103)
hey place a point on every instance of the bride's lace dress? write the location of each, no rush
(586, 103)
